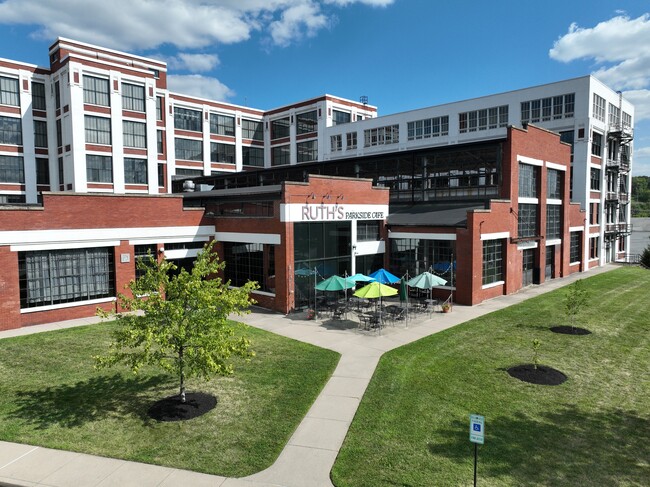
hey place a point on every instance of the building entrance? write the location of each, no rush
(528, 265)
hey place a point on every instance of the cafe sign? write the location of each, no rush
(296, 212)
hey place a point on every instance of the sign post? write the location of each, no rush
(476, 436)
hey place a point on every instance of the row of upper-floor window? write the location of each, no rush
(616, 115)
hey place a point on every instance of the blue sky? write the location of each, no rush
(402, 54)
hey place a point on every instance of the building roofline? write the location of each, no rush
(65, 40)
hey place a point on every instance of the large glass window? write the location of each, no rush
(252, 129)
(381, 135)
(11, 131)
(594, 179)
(186, 119)
(61, 276)
(339, 117)
(554, 184)
(599, 108)
(483, 119)
(9, 94)
(561, 106)
(280, 128)
(42, 171)
(492, 261)
(307, 151)
(222, 153)
(252, 156)
(430, 127)
(96, 91)
(133, 97)
(576, 247)
(135, 134)
(12, 169)
(38, 96)
(597, 144)
(418, 255)
(527, 181)
(99, 169)
(188, 149)
(135, 171)
(553, 222)
(527, 220)
(307, 122)
(222, 124)
(250, 262)
(98, 130)
(280, 155)
(40, 133)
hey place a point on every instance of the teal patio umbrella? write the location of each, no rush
(426, 280)
(334, 283)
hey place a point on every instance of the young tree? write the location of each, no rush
(575, 299)
(179, 322)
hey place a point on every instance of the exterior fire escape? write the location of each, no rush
(619, 137)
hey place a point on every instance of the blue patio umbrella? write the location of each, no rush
(384, 277)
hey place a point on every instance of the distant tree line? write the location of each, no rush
(641, 196)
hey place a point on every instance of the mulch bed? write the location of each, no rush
(172, 409)
(570, 330)
(543, 375)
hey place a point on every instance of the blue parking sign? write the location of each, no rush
(476, 428)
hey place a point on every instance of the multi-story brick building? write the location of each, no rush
(483, 184)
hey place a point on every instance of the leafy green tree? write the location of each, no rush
(575, 300)
(179, 322)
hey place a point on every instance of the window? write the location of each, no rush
(60, 276)
(252, 129)
(222, 124)
(599, 108)
(307, 122)
(11, 131)
(553, 221)
(594, 214)
(12, 169)
(253, 156)
(367, 230)
(160, 146)
(183, 171)
(188, 149)
(38, 96)
(575, 252)
(280, 128)
(161, 175)
(492, 261)
(307, 151)
(593, 247)
(99, 169)
(597, 144)
(141, 253)
(627, 120)
(96, 91)
(185, 119)
(381, 136)
(336, 142)
(61, 171)
(432, 127)
(159, 108)
(417, 255)
(135, 134)
(280, 155)
(57, 95)
(561, 106)
(9, 94)
(595, 179)
(614, 115)
(339, 117)
(527, 181)
(568, 137)
(98, 130)
(133, 97)
(482, 119)
(351, 139)
(527, 220)
(42, 171)
(59, 133)
(250, 262)
(40, 134)
(554, 180)
(222, 153)
(546, 109)
(135, 171)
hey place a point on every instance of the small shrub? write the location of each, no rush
(575, 299)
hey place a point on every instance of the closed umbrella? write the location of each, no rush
(384, 277)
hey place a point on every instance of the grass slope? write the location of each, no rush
(51, 396)
(412, 428)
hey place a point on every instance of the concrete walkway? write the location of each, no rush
(310, 453)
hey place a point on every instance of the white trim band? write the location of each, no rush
(263, 238)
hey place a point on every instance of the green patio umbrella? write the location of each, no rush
(334, 283)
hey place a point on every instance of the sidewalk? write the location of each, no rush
(310, 453)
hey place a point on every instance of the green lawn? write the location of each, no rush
(51, 396)
(412, 428)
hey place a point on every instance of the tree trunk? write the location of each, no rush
(182, 374)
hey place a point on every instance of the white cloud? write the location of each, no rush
(195, 63)
(186, 24)
(200, 86)
(641, 101)
(641, 166)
